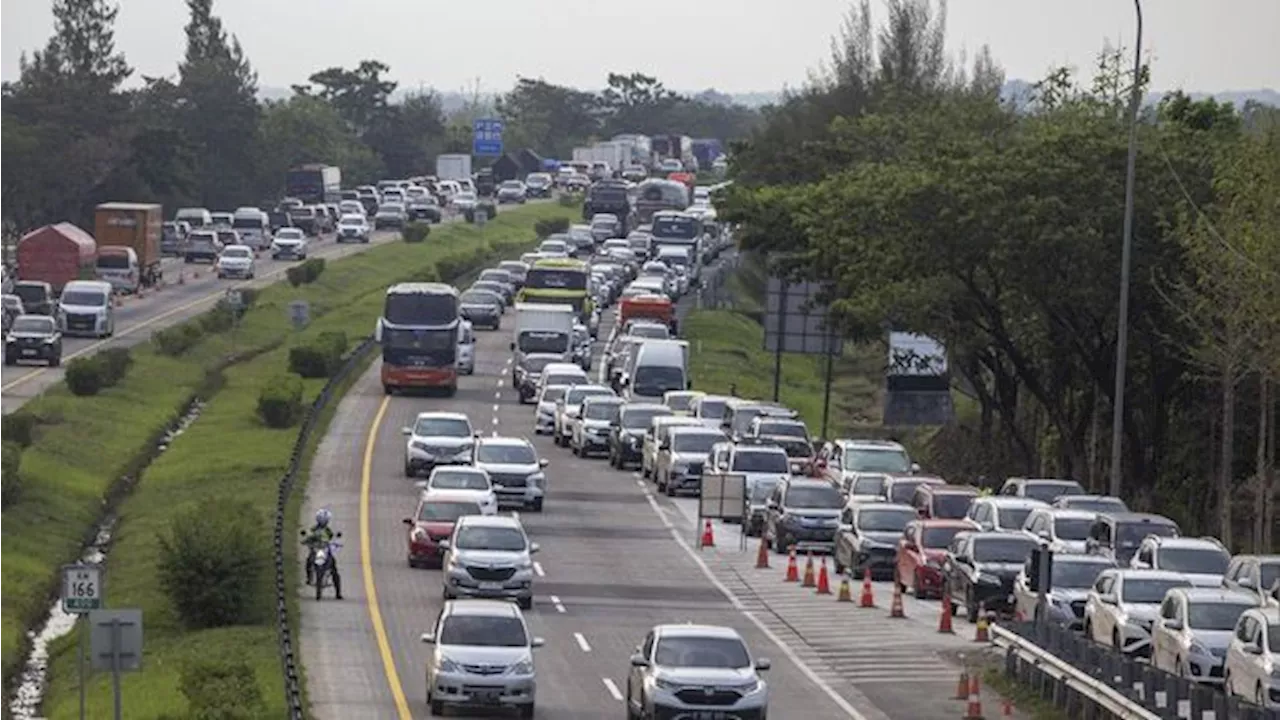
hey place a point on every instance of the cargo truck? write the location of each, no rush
(314, 183)
(120, 227)
(543, 333)
(57, 254)
(453, 167)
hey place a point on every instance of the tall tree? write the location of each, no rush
(360, 95)
(637, 103)
(548, 118)
(408, 135)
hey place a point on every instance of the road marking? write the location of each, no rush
(612, 687)
(537, 567)
(582, 642)
(495, 421)
(496, 408)
(499, 384)
(515, 515)
(640, 483)
(555, 600)
(497, 395)
(366, 564)
(666, 521)
(495, 433)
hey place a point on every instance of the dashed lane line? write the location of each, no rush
(555, 600)
(612, 687)
(537, 567)
(582, 642)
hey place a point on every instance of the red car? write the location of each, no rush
(433, 521)
(921, 549)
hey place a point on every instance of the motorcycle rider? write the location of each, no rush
(318, 536)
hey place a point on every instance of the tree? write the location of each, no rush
(408, 135)
(306, 129)
(359, 95)
(636, 103)
(550, 119)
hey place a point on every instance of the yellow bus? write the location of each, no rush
(559, 281)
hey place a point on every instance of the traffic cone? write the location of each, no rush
(762, 557)
(980, 633)
(974, 709)
(846, 595)
(895, 609)
(962, 687)
(944, 622)
(793, 572)
(824, 583)
(708, 537)
(808, 573)
(867, 600)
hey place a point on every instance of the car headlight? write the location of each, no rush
(665, 684)
(749, 686)
(419, 445)
(525, 564)
(1198, 648)
(418, 535)
(537, 479)
(448, 665)
(524, 667)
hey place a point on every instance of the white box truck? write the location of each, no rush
(540, 330)
(453, 167)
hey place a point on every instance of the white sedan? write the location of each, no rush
(290, 243)
(236, 261)
(353, 228)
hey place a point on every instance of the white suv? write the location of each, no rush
(1202, 560)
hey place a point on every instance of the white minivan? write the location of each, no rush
(86, 309)
(254, 227)
(657, 367)
(195, 217)
(466, 363)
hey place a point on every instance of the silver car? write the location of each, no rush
(695, 671)
(516, 471)
(544, 416)
(481, 657)
(569, 406)
(1068, 593)
(489, 556)
(437, 438)
(1194, 628)
(592, 426)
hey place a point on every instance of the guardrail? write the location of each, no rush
(1089, 680)
(283, 559)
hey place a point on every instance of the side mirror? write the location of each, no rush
(534, 547)
(406, 431)
(537, 642)
(543, 462)
(429, 638)
(408, 521)
(915, 467)
(638, 660)
(763, 664)
(444, 544)
(1251, 648)
(1173, 624)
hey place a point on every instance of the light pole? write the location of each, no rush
(1122, 334)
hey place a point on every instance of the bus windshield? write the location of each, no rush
(420, 308)
(555, 279)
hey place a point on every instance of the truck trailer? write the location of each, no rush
(57, 254)
(120, 226)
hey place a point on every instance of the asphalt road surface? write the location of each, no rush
(616, 559)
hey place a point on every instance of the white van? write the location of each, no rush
(657, 367)
(118, 265)
(86, 309)
(195, 217)
(466, 363)
(254, 227)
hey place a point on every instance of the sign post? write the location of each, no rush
(299, 314)
(723, 496)
(116, 645)
(796, 322)
(235, 300)
(81, 594)
(486, 137)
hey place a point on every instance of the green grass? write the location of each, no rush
(727, 349)
(1025, 700)
(88, 442)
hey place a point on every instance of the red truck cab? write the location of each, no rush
(921, 549)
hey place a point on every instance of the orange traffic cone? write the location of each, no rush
(824, 583)
(867, 600)
(944, 622)
(846, 595)
(962, 687)
(974, 709)
(895, 609)
(793, 572)
(808, 573)
(980, 633)
(708, 537)
(762, 557)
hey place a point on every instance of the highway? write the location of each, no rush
(616, 559)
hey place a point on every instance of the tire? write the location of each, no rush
(525, 603)
(9, 359)
(408, 471)
(54, 361)
(435, 707)
(388, 390)
(320, 573)
(537, 505)
(526, 711)
(970, 606)
(668, 488)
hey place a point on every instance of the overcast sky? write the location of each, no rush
(731, 45)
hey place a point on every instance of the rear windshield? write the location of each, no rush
(952, 506)
(640, 418)
(114, 261)
(459, 481)
(1194, 560)
(698, 443)
(747, 461)
(1048, 492)
(1002, 550)
(1148, 590)
(938, 538)
(825, 497)
(1215, 615)
(711, 409)
(439, 511)
(1072, 528)
(885, 520)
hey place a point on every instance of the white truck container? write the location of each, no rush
(453, 167)
(615, 153)
(584, 154)
(544, 329)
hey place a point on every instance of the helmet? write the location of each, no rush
(322, 517)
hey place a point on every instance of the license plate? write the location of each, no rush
(711, 715)
(488, 696)
(28, 351)
(490, 586)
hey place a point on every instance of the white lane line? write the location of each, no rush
(666, 521)
(497, 396)
(500, 381)
(496, 408)
(582, 642)
(537, 567)
(612, 687)
(555, 600)
(495, 433)
(495, 421)
(640, 483)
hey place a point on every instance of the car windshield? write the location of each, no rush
(696, 443)
(1072, 528)
(890, 461)
(498, 276)
(458, 480)
(951, 505)
(93, 298)
(442, 427)
(711, 409)
(506, 454)
(823, 497)
(701, 652)
(1194, 560)
(1048, 491)
(601, 411)
(288, 234)
(760, 461)
(938, 538)
(446, 510)
(1148, 591)
(1001, 550)
(1130, 535)
(1270, 575)
(679, 403)
(656, 380)
(1076, 575)
(1012, 518)
(479, 297)
(483, 631)
(236, 252)
(650, 331)
(639, 418)
(511, 185)
(575, 396)
(33, 325)
(114, 261)
(490, 538)
(784, 429)
(535, 364)
(352, 221)
(565, 380)
(1097, 504)
(1215, 615)
(535, 341)
(869, 485)
(902, 490)
(885, 520)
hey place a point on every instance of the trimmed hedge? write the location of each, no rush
(212, 563)
(280, 401)
(177, 339)
(569, 200)
(305, 272)
(222, 689)
(551, 226)
(19, 428)
(416, 232)
(84, 376)
(491, 211)
(319, 358)
(115, 363)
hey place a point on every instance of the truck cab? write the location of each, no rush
(118, 266)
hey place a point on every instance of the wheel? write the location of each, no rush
(645, 472)
(778, 546)
(526, 711)
(838, 566)
(54, 361)
(1259, 697)
(408, 470)
(320, 584)
(525, 603)
(436, 707)
(537, 505)
(387, 390)
(9, 359)
(668, 488)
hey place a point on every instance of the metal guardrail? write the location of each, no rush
(288, 651)
(1091, 680)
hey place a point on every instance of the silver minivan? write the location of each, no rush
(657, 367)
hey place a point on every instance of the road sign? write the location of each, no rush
(81, 588)
(794, 320)
(299, 313)
(115, 639)
(486, 136)
(235, 298)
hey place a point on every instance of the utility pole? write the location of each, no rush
(1122, 334)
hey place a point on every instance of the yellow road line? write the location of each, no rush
(366, 564)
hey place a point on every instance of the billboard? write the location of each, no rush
(794, 320)
(917, 380)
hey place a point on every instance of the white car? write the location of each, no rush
(1123, 605)
(462, 480)
(1252, 667)
(290, 243)
(464, 201)
(351, 207)
(236, 261)
(353, 228)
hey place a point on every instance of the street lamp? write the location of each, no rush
(1122, 334)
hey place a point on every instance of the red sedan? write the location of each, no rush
(920, 551)
(433, 521)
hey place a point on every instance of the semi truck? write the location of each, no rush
(119, 227)
(453, 167)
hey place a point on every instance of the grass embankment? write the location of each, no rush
(1025, 699)
(84, 444)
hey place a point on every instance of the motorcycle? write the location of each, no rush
(321, 567)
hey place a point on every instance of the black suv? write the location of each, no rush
(980, 568)
(627, 437)
(33, 337)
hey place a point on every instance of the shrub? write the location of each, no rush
(455, 265)
(221, 689)
(416, 232)
(115, 362)
(85, 376)
(175, 340)
(319, 358)
(314, 266)
(211, 563)
(305, 272)
(426, 273)
(297, 275)
(18, 428)
(551, 226)
(10, 465)
(280, 401)
(568, 200)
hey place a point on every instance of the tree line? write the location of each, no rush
(901, 178)
(77, 133)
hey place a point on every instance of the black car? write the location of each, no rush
(33, 337)
(627, 437)
(482, 307)
(980, 568)
(279, 219)
(37, 297)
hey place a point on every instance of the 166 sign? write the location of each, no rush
(81, 588)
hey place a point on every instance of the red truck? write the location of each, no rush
(57, 254)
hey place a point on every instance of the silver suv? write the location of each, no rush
(437, 438)
(489, 556)
(693, 671)
(515, 470)
(1191, 635)
(482, 658)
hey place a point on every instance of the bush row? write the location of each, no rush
(10, 467)
(306, 272)
(280, 401)
(570, 200)
(416, 232)
(551, 226)
(490, 211)
(177, 339)
(319, 358)
(89, 375)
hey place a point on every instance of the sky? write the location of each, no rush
(691, 45)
